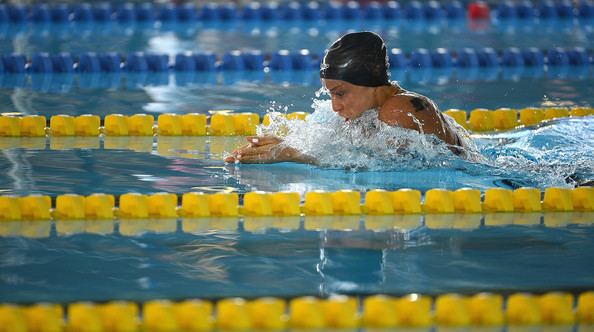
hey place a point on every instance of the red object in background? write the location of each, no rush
(478, 10)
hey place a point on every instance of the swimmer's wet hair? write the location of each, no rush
(359, 58)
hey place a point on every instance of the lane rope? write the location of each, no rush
(287, 60)
(307, 313)
(227, 123)
(315, 203)
(290, 11)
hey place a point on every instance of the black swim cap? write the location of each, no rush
(358, 58)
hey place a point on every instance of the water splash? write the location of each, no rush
(558, 153)
(362, 143)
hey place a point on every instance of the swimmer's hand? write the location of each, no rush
(266, 150)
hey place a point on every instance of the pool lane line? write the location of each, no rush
(64, 83)
(482, 310)
(523, 12)
(227, 123)
(497, 204)
(512, 59)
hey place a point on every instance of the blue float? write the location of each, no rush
(351, 11)
(184, 62)
(228, 11)
(252, 11)
(253, 60)
(14, 63)
(62, 63)
(578, 56)
(586, 9)
(157, 62)
(145, 12)
(557, 57)
(205, 61)
(487, 57)
(210, 12)
(392, 10)
(506, 10)
(313, 11)
(433, 11)
(270, 11)
(40, 13)
(414, 10)
(126, 12)
(441, 58)
(60, 12)
(397, 59)
(3, 14)
(533, 57)
(564, 9)
(547, 9)
(41, 63)
(332, 10)
(187, 12)
(281, 60)
(316, 61)
(232, 60)
(17, 13)
(167, 13)
(455, 10)
(420, 58)
(102, 12)
(467, 58)
(136, 62)
(512, 57)
(301, 59)
(525, 10)
(89, 63)
(110, 62)
(373, 11)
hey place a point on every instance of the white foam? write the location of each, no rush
(362, 143)
(541, 157)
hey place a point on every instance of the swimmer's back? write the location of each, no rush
(414, 111)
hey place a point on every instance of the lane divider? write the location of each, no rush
(285, 60)
(221, 123)
(65, 82)
(273, 11)
(501, 119)
(226, 123)
(316, 203)
(228, 11)
(306, 313)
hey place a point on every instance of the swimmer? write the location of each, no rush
(354, 72)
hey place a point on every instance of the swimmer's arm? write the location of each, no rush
(267, 150)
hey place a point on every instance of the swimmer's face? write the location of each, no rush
(348, 100)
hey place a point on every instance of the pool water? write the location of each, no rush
(146, 259)
(202, 261)
(269, 36)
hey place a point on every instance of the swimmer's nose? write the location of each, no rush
(336, 108)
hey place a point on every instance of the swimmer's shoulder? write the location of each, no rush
(404, 107)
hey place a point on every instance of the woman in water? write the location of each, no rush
(354, 72)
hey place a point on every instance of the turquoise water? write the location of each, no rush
(218, 258)
(259, 92)
(272, 36)
(223, 263)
